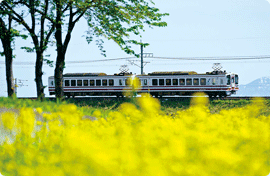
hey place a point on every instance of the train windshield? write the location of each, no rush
(228, 79)
(236, 79)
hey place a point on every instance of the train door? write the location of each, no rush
(234, 81)
(145, 84)
(215, 81)
(228, 80)
(208, 82)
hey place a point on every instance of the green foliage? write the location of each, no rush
(121, 20)
(48, 62)
(28, 49)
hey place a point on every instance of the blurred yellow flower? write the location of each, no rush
(134, 84)
(97, 113)
(8, 120)
(39, 110)
(138, 139)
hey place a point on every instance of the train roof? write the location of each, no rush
(186, 73)
(173, 73)
(149, 74)
(83, 74)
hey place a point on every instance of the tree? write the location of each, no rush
(7, 35)
(6, 42)
(112, 19)
(39, 11)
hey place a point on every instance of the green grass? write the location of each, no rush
(106, 105)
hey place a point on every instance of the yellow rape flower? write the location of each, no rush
(149, 104)
(192, 142)
(97, 113)
(134, 82)
(39, 110)
(8, 120)
(26, 121)
(199, 99)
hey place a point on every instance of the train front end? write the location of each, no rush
(232, 83)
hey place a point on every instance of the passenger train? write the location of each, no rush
(158, 84)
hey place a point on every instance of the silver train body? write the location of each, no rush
(158, 84)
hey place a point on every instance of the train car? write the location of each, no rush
(158, 84)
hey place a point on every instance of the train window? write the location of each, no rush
(154, 82)
(189, 81)
(161, 82)
(98, 82)
(73, 82)
(228, 79)
(127, 82)
(175, 82)
(221, 81)
(104, 82)
(67, 83)
(52, 83)
(232, 79)
(196, 81)
(85, 82)
(79, 82)
(213, 81)
(145, 82)
(120, 82)
(111, 82)
(236, 79)
(92, 82)
(182, 81)
(168, 82)
(203, 81)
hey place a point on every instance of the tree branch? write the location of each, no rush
(9, 21)
(32, 11)
(42, 26)
(19, 19)
(49, 35)
(77, 19)
(70, 28)
(40, 12)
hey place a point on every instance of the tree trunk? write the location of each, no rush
(39, 73)
(61, 48)
(58, 75)
(6, 42)
(58, 71)
(9, 71)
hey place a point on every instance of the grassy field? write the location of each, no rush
(170, 107)
(135, 136)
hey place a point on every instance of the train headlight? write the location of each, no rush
(228, 93)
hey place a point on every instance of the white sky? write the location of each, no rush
(196, 28)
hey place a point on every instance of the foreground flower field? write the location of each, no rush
(137, 139)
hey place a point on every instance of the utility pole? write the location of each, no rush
(141, 59)
(146, 55)
(16, 85)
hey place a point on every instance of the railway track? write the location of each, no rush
(163, 98)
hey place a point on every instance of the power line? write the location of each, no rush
(155, 58)
(217, 58)
(99, 60)
(211, 39)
